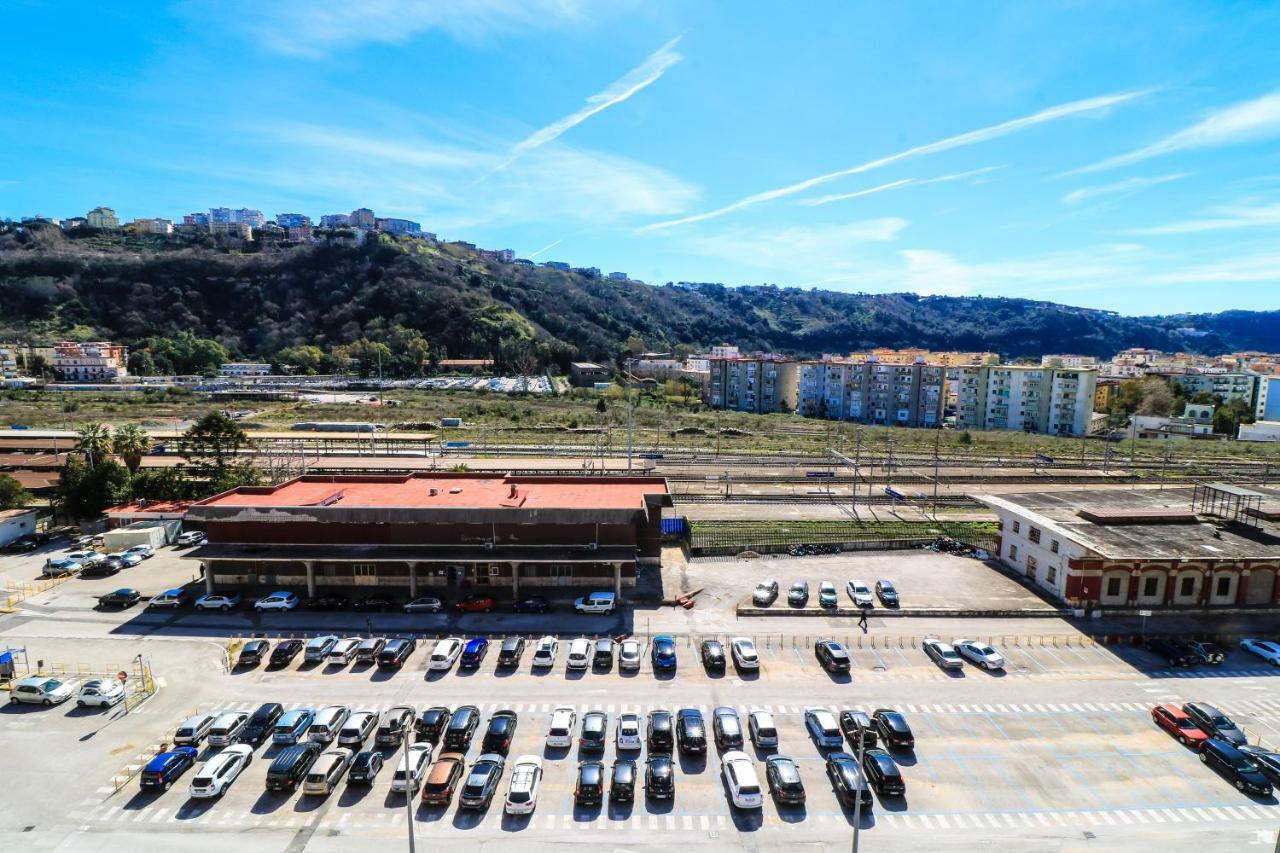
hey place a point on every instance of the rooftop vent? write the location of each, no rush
(1122, 515)
(455, 491)
(434, 492)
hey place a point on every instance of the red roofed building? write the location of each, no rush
(487, 531)
(122, 515)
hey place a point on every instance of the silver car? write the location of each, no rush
(980, 654)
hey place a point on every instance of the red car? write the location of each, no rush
(1175, 721)
(476, 604)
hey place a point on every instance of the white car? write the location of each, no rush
(628, 733)
(126, 559)
(740, 777)
(276, 601)
(744, 653)
(145, 552)
(579, 656)
(445, 654)
(41, 690)
(564, 722)
(100, 693)
(216, 775)
(227, 727)
(980, 654)
(522, 790)
(417, 758)
(629, 655)
(344, 650)
(217, 602)
(544, 654)
(191, 537)
(1265, 649)
(860, 593)
(86, 558)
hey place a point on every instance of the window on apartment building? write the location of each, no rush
(1033, 534)
(1053, 545)
(1017, 526)
(1051, 576)
(1113, 587)
(1223, 586)
(1032, 565)
(1186, 586)
(1151, 586)
(1013, 552)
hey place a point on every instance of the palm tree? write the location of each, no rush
(95, 442)
(131, 444)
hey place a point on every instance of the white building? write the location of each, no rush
(98, 361)
(1031, 399)
(16, 523)
(1260, 431)
(244, 368)
(1070, 361)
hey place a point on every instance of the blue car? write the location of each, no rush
(664, 652)
(474, 652)
(292, 726)
(166, 767)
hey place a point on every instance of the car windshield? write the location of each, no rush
(1185, 723)
(519, 797)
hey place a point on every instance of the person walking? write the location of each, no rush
(862, 620)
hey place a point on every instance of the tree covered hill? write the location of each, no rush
(399, 291)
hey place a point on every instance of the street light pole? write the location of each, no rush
(857, 803)
(409, 791)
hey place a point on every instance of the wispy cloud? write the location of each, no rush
(893, 185)
(642, 76)
(1248, 121)
(1125, 187)
(973, 137)
(314, 28)
(546, 248)
(824, 250)
(1224, 219)
(1263, 267)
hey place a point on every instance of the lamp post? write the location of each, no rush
(409, 790)
(857, 803)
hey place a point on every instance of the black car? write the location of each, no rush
(365, 767)
(842, 770)
(104, 569)
(1240, 768)
(463, 723)
(588, 790)
(602, 655)
(369, 649)
(252, 652)
(500, 733)
(533, 604)
(883, 773)
(395, 722)
(1175, 654)
(120, 598)
(478, 790)
(259, 725)
(284, 652)
(289, 768)
(1214, 723)
(431, 723)
(396, 652)
(893, 729)
(1268, 762)
(660, 778)
(622, 781)
(728, 728)
(510, 652)
(327, 601)
(691, 733)
(832, 656)
(783, 778)
(660, 734)
(1210, 653)
(25, 543)
(595, 731)
(712, 653)
(857, 725)
(374, 604)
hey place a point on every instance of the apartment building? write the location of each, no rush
(915, 355)
(98, 361)
(248, 216)
(293, 220)
(244, 368)
(1074, 362)
(1224, 386)
(152, 226)
(399, 226)
(102, 217)
(1032, 399)
(236, 229)
(1267, 400)
(759, 384)
(872, 392)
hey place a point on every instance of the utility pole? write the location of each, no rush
(857, 803)
(410, 790)
(937, 440)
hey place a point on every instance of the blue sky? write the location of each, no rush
(1121, 156)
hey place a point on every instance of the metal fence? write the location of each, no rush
(755, 535)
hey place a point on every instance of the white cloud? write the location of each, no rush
(314, 28)
(1248, 121)
(973, 137)
(1252, 268)
(643, 75)
(825, 250)
(893, 185)
(1225, 219)
(1124, 187)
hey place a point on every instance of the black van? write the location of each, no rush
(290, 767)
(462, 725)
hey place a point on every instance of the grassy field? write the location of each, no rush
(713, 534)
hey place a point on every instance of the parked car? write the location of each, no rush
(745, 656)
(533, 604)
(522, 789)
(24, 544)
(101, 569)
(783, 778)
(143, 552)
(762, 729)
(823, 728)
(740, 778)
(289, 768)
(981, 654)
(627, 732)
(663, 652)
(943, 654)
(365, 767)
(883, 773)
(1214, 723)
(712, 654)
(1178, 724)
(252, 652)
(276, 601)
(510, 652)
(376, 603)
(356, 730)
(396, 722)
(887, 593)
(431, 723)
(1174, 654)
(602, 654)
(563, 723)
(328, 722)
(396, 652)
(1238, 767)
(622, 781)
(798, 595)
(659, 732)
(475, 603)
(1268, 762)
(727, 728)
(445, 654)
(893, 730)
(261, 723)
(120, 598)
(284, 652)
(847, 782)
(126, 560)
(318, 648)
(860, 593)
(482, 782)
(500, 732)
(832, 656)
(629, 656)
(327, 771)
(1210, 653)
(61, 567)
(596, 602)
(169, 599)
(1265, 649)
(660, 777)
(369, 649)
(227, 727)
(217, 774)
(292, 727)
(193, 730)
(765, 593)
(100, 693)
(462, 725)
(442, 781)
(166, 768)
(588, 786)
(691, 732)
(595, 731)
(579, 654)
(411, 769)
(544, 654)
(473, 653)
(190, 538)
(423, 604)
(326, 601)
(857, 725)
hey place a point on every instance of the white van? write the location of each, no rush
(596, 602)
